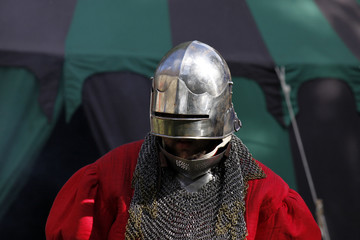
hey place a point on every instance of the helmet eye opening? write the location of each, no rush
(181, 116)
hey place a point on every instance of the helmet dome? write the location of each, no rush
(191, 94)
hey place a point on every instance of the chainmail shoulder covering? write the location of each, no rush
(161, 209)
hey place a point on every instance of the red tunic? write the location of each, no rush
(94, 203)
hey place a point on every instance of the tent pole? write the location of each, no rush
(321, 220)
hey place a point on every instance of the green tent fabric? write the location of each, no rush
(296, 32)
(302, 40)
(24, 129)
(131, 36)
(266, 139)
(297, 75)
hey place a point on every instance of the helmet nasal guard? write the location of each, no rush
(191, 94)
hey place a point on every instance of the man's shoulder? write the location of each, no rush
(115, 169)
(271, 176)
(123, 156)
(126, 150)
(271, 186)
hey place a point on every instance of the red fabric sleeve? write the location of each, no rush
(71, 216)
(94, 202)
(274, 211)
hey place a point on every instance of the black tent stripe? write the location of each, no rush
(231, 29)
(344, 16)
(117, 107)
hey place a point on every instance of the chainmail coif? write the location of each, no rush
(161, 209)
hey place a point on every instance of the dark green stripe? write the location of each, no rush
(116, 36)
(23, 128)
(296, 32)
(267, 140)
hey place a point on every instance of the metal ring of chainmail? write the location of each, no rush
(161, 209)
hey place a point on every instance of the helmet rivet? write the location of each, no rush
(237, 125)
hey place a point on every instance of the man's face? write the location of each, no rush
(189, 148)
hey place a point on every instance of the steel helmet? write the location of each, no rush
(191, 94)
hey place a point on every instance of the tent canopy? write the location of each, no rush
(58, 55)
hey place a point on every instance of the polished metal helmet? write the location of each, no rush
(191, 94)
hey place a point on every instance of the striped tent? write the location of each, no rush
(57, 57)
